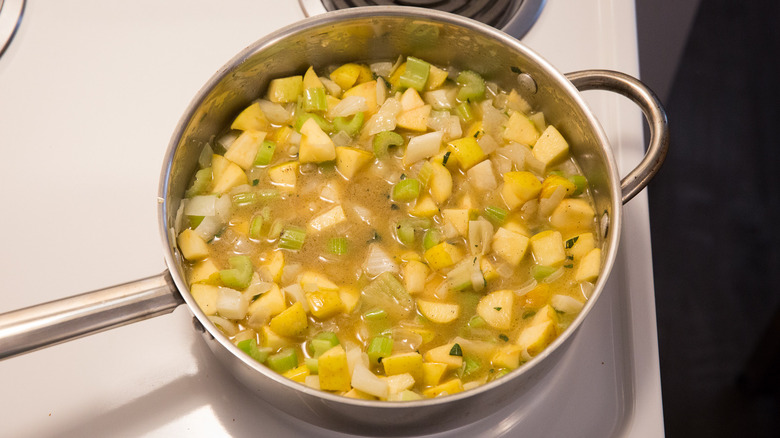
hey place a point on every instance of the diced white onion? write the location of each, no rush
(294, 139)
(378, 261)
(230, 303)
(227, 140)
(493, 119)
(449, 231)
(477, 279)
(385, 118)
(355, 357)
(332, 87)
(441, 99)
(587, 288)
(381, 68)
(505, 270)
(274, 112)
(295, 291)
(209, 227)
(341, 138)
(364, 380)
(405, 339)
(566, 304)
(290, 272)
(178, 221)
(481, 176)
(547, 205)
(257, 287)
(527, 287)
(363, 213)
(445, 122)
(204, 160)
(487, 143)
(422, 146)
(224, 208)
(554, 276)
(517, 153)
(312, 381)
(381, 92)
(329, 193)
(227, 327)
(348, 106)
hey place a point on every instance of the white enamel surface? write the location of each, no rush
(89, 95)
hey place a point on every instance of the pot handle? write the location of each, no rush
(51, 323)
(654, 112)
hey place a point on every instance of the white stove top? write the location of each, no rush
(89, 95)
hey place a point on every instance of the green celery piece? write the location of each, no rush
(497, 215)
(195, 221)
(416, 74)
(378, 348)
(463, 110)
(292, 238)
(244, 198)
(386, 283)
(312, 364)
(384, 140)
(352, 126)
(431, 238)
(314, 99)
(256, 227)
(580, 182)
(406, 190)
(249, 346)
(459, 277)
(470, 366)
(338, 245)
(323, 341)
(472, 86)
(405, 233)
(377, 321)
(240, 273)
(540, 272)
(283, 361)
(201, 183)
(375, 315)
(265, 153)
(301, 119)
(477, 322)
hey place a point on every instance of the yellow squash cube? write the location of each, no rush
(547, 248)
(244, 149)
(589, 267)
(192, 246)
(466, 151)
(573, 214)
(346, 75)
(324, 304)
(509, 245)
(415, 273)
(440, 183)
(551, 147)
(496, 308)
(285, 174)
(349, 160)
(251, 118)
(579, 245)
(334, 370)
(443, 256)
(231, 175)
(285, 90)
(316, 146)
(411, 363)
(298, 374)
(442, 354)
(551, 184)
(520, 187)
(520, 129)
(414, 119)
(433, 372)
(291, 322)
(205, 296)
(424, 207)
(202, 271)
(535, 338)
(436, 78)
(447, 388)
(507, 356)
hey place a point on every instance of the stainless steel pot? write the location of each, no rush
(361, 34)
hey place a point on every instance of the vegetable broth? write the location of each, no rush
(446, 240)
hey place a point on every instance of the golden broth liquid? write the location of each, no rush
(372, 219)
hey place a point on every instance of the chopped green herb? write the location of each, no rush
(569, 243)
(255, 182)
(515, 69)
(445, 158)
(568, 266)
(497, 309)
(456, 350)
(503, 337)
(529, 314)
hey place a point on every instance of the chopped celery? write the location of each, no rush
(266, 194)
(195, 221)
(256, 227)
(416, 74)
(405, 233)
(338, 245)
(322, 342)
(312, 364)
(352, 126)
(580, 183)
(431, 238)
(201, 183)
(284, 360)
(386, 284)
(459, 278)
(378, 348)
(497, 215)
(303, 117)
(406, 190)
(463, 110)
(375, 315)
(240, 273)
(244, 198)
(292, 238)
(314, 99)
(470, 366)
(377, 321)
(472, 86)
(539, 272)
(477, 322)
(265, 153)
(384, 140)
(249, 346)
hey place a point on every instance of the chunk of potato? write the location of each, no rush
(205, 296)
(285, 90)
(251, 118)
(244, 149)
(316, 146)
(509, 245)
(573, 214)
(192, 246)
(551, 147)
(441, 354)
(520, 129)
(433, 372)
(447, 388)
(410, 363)
(547, 248)
(349, 160)
(415, 119)
(496, 308)
(535, 338)
(589, 267)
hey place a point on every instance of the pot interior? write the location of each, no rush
(382, 34)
